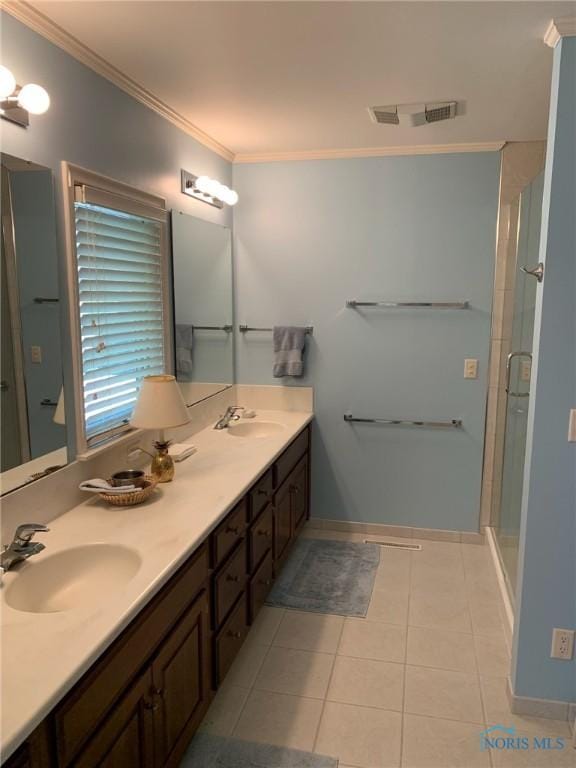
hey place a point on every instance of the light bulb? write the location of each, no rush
(231, 197)
(202, 183)
(213, 188)
(34, 99)
(7, 83)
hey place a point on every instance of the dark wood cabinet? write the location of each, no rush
(125, 738)
(141, 702)
(282, 522)
(181, 683)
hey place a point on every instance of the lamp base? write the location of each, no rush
(162, 467)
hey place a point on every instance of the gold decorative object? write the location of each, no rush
(162, 467)
(129, 499)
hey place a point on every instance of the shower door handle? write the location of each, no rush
(537, 271)
(509, 359)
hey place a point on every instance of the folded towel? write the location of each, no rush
(184, 345)
(289, 343)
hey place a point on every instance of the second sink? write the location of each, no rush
(72, 578)
(255, 428)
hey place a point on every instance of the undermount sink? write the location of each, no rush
(255, 429)
(71, 578)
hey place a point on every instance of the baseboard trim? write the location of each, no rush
(398, 531)
(547, 708)
(504, 594)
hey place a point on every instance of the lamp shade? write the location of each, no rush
(60, 412)
(160, 404)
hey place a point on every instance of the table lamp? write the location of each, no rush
(160, 406)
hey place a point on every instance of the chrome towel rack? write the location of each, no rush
(245, 328)
(354, 303)
(226, 328)
(44, 300)
(452, 424)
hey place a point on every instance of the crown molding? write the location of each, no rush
(40, 23)
(342, 154)
(559, 28)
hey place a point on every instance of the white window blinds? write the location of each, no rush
(122, 313)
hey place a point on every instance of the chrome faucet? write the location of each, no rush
(230, 415)
(22, 546)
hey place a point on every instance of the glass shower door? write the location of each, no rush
(518, 372)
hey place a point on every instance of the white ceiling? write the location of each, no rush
(267, 77)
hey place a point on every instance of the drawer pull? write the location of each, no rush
(151, 705)
(294, 489)
(235, 529)
(230, 577)
(268, 534)
(235, 635)
(158, 691)
(260, 492)
(265, 582)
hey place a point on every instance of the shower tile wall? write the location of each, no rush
(521, 163)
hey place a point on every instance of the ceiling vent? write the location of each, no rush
(411, 115)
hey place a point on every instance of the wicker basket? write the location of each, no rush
(137, 496)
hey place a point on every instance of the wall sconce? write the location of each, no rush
(208, 190)
(16, 103)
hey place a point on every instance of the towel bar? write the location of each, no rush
(353, 303)
(453, 423)
(246, 328)
(226, 328)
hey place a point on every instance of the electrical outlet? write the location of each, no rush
(562, 644)
(470, 368)
(525, 370)
(36, 354)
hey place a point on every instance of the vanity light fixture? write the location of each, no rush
(16, 103)
(208, 190)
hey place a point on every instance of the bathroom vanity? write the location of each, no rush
(139, 701)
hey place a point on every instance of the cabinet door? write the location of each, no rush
(299, 492)
(282, 521)
(36, 752)
(126, 736)
(181, 683)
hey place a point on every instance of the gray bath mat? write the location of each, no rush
(210, 751)
(327, 576)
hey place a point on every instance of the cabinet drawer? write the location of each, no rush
(228, 584)
(229, 640)
(82, 710)
(260, 585)
(289, 458)
(261, 494)
(229, 533)
(260, 539)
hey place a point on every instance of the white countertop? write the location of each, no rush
(44, 654)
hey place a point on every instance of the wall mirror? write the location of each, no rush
(203, 306)
(33, 430)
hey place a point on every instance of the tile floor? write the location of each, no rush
(412, 685)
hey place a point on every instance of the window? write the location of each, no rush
(121, 301)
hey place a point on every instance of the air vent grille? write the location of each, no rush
(412, 115)
(434, 113)
(388, 118)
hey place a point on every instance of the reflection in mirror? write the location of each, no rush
(33, 434)
(204, 343)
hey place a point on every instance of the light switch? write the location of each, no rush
(525, 370)
(36, 354)
(470, 368)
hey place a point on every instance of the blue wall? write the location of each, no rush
(308, 236)
(94, 124)
(547, 569)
